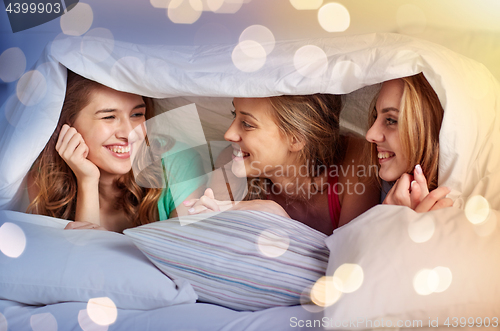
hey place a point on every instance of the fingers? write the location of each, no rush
(443, 203)
(415, 194)
(421, 180)
(69, 139)
(400, 192)
(64, 129)
(209, 193)
(432, 198)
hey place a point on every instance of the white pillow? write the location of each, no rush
(44, 264)
(392, 247)
(244, 260)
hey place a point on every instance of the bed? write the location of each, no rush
(397, 266)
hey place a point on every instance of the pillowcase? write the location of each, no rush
(44, 264)
(244, 260)
(415, 270)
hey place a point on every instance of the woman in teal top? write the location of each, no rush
(84, 173)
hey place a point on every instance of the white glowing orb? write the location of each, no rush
(487, 227)
(426, 281)
(249, 56)
(445, 278)
(43, 322)
(12, 64)
(350, 277)
(333, 17)
(102, 311)
(214, 5)
(261, 35)
(78, 20)
(4, 326)
(229, 7)
(310, 61)
(12, 240)
(98, 44)
(421, 230)
(272, 243)
(160, 3)
(31, 88)
(87, 324)
(477, 209)
(184, 11)
(411, 19)
(325, 291)
(306, 4)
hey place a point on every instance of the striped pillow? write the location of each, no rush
(244, 260)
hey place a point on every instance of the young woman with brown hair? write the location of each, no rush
(84, 173)
(296, 162)
(405, 120)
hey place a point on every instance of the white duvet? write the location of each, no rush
(469, 146)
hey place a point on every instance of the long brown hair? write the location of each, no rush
(419, 123)
(57, 183)
(313, 120)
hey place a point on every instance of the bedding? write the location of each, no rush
(55, 266)
(468, 165)
(244, 260)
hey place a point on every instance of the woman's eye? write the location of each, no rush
(108, 118)
(246, 125)
(391, 121)
(233, 113)
(139, 115)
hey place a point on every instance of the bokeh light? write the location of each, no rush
(4, 326)
(12, 64)
(31, 88)
(78, 20)
(160, 3)
(426, 281)
(411, 19)
(325, 291)
(421, 230)
(102, 311)
(87, 324)
(333, 17)
(43, 322)
(306, 4)
(261, 35)
(214, 5)
(229, 7)
(307, 304)
(477, 209)
(249, 56)
(350, 277)
(310, 61)
(487, 227)
(98, 44)
(184, 11)
(445, 278)
(12, 240)
(272, 243)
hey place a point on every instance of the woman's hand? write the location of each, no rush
(412, 191)
(78, 225)
(73, 150)
(207, 203)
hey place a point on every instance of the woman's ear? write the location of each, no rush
(296, 144)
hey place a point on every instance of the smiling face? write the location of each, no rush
(385, 133)
(106, 124)
(259, 149)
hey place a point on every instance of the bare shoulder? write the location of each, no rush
(33, 188)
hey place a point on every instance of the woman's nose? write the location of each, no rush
(232, 133)
(374, 133)
(125, 129)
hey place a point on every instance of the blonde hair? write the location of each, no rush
(57, 183)
(419, 123)
(312, 120)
